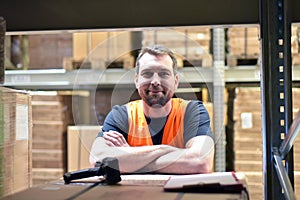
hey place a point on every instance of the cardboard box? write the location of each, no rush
(191, 45)
(80, 140)
(99, 49)
(15, 141)
(51, 114)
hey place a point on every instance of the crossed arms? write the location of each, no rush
(197, 157)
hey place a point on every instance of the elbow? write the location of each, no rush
(204, 166)
(201, 167)
(209, 164)
(92, 162)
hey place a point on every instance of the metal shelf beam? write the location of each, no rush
(94, 14)
(48, 15)
(60, 79)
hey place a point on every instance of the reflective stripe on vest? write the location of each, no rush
(139, 134)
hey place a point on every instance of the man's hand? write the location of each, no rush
(115, 139)
(197, 157)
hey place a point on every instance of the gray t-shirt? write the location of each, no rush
(196, 122)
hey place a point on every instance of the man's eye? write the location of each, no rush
(147, 74)
(164, 74)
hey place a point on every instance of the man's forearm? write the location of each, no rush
(179, 162)
(196, 158)
(131, 159)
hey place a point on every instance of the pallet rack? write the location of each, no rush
(273, 16)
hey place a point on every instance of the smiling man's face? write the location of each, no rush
(156, 81)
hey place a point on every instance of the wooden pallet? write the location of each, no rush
(239, 60)
(125, 61)
(203, 61)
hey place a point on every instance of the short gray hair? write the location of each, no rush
(156, 50)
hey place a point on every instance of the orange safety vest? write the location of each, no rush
(139, 134)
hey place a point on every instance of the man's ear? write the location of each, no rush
(136, 80)
(176, 81)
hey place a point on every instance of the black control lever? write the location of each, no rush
(108, 168)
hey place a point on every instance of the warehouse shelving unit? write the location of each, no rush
(275, 18)
(275, 21)
(61, 79)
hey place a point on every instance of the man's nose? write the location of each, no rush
(155, 79)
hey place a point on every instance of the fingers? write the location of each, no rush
(110, 144)
(114, 138)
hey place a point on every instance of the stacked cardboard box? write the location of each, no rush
(98, 50)
(248, 139)
(244, 41)
(47, 51)
(189, 44)
(243, 44)
(51, 116)
(80, 140)
(295, 41)
(296, 109)
(15, 141)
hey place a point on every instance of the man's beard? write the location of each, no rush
(156, 100)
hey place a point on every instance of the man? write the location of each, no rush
(158, 133)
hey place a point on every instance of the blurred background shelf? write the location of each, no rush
(61, 79)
